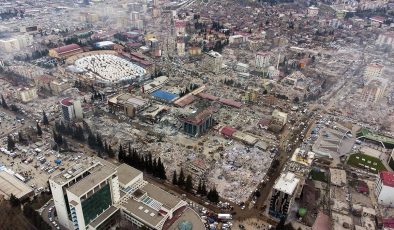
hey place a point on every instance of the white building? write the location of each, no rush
(384, 188)
(135, 20)
(263, 59)
(213, 61)
(27, 94)
(236, 39)
(85, 192)
(94, 194)
(180, 47)
(180, 27)
(283, 194)
(145, 204)
(313, 11)
(373, 71)
(16, 43)
(386, 39)
(71, 109)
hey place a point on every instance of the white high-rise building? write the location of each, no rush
(94, 194)
(16, 43)
(386, 39)
(27, 94)
(263, 59)
(85, 191)
(213, 61)
(71, 109)
(384, 189)
(373, 71)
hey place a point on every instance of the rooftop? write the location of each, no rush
(187, 216)
(74, 171)
(167, 96)
(387, 178)
(199, 116)
(97, 175)
(103, 216)
(338, 177)
(67, 48)
(66, 102)
(11, 185)
(127, 173)
(287, 183)
(366, 133)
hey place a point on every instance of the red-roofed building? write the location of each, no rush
(65, 51)
(322, 222)
(388, 223)
(230, 102)
(384, 188)
(227, 131)
(199, 122)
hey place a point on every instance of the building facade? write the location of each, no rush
(384, 188)
(263, 59)
(84, 192)
(16, 43)
(27, 94)
(283, 194)
(213, 61)
(373, 71)
(71, 109)
(198, 123)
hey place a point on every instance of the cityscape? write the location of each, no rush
(197, 114)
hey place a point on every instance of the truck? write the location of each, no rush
(222, 216)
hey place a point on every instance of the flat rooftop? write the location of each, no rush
(11, 185)
(338, 177)
(287, 183)
(168, 200)
(127, 173)
(366, 133)
(97, 175)
(75, 170)
(142, 211)
(187, 216)
(103, 216)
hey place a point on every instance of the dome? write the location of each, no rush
(185, 225)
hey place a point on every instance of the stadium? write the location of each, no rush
(108, 69)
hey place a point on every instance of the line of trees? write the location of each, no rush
(186, 183)
(32, 215)
(95, 141)
(144, 163)
(35, 218)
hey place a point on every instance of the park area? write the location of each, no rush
(366, 162)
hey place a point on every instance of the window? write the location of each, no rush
(96, 203)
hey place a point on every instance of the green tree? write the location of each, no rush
(199, 187)
(3, 102)
(174, 178)
(189, 183)
(45, 120)
(111, 152)
(121, 154)
(181, 178)
(15, 202)
(213, 195)
(39, 131)
(10, 143)
(204, 189)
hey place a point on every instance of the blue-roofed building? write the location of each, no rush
(164, 96)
